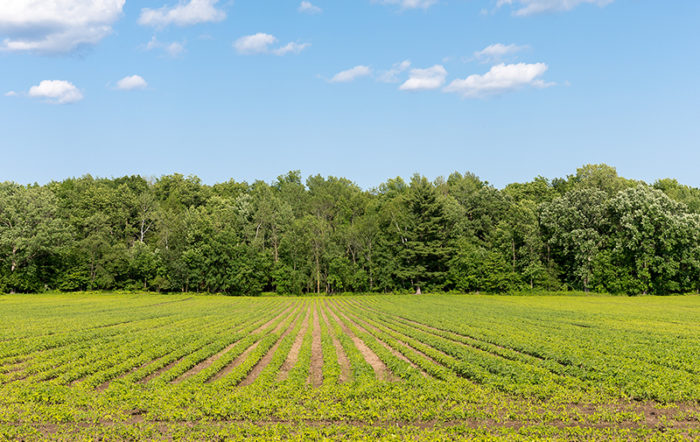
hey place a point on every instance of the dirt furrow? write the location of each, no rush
(316, 370)
(265, 361)
(450, 332)
(243, 356)
(345, 371)
(294, 352)
(391, 349)
(381, 371)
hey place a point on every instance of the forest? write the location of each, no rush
(590, 231)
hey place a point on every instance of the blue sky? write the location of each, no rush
(364, 89)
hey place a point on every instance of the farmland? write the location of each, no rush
(411, 367)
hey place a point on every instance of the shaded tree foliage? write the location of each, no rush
(592, 230)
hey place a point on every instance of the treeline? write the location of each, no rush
(590, 231)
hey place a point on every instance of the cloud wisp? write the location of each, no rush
(351, 74)
(409, 4)
(261, 43)
(309, 8)
(498, 51)
(173, 49)
(531, 7)
(183, 14)
(392, 75)
(425, 79)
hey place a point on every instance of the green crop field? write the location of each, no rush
(374, 367)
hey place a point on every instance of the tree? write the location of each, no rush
(426, 251)
(29, 229)
(573, 225)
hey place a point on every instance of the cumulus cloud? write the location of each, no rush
(55, 25)
(183, 14)
(308, 8)
(10, 94)
(500, 79)
(254, 44)
(173, 49)
(410, 4)
(425, 79)
(351, 74)
(56, 91)
(261, 43)
(529, 7)
(132, 82)
(497, 51)
(392, 75)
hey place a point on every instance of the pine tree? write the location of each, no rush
(425, 252)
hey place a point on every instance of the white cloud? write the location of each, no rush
(351, 74)
(260, 44)
(10, 94)
(425, 79)
(499, 79)
(410, 4)
(392, 75)
(309, 8)
(182, 14)
(173, 49)
(291, 47)
(56, 91)
(56, 25)
(254, 44)
(528, 7)
(497, 51)
(132, 82)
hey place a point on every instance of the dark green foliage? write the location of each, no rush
(590, 231)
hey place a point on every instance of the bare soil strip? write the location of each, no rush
(381, 371)
(243, 356)
(265, 361)
(211, 359)
(294, 352)
(272, 321)
(393, 351)
(316, 370)
(345, 371)
(462, 335)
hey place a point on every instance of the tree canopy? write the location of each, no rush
(592, 230)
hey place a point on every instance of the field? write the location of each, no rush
(374, 367)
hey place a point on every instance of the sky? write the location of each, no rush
(364, 89)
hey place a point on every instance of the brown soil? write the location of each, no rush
(236, 362)
(243, 356)
(210, 360)
(391, 349)
(265, 361)
(272, 321)
(448, 332)
(420, 353)
(162, 370)
(345, 371)
(204, 364)
(381, 371)
(316, 370)
(294, 351)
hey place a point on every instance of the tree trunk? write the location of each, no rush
(14, 260)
